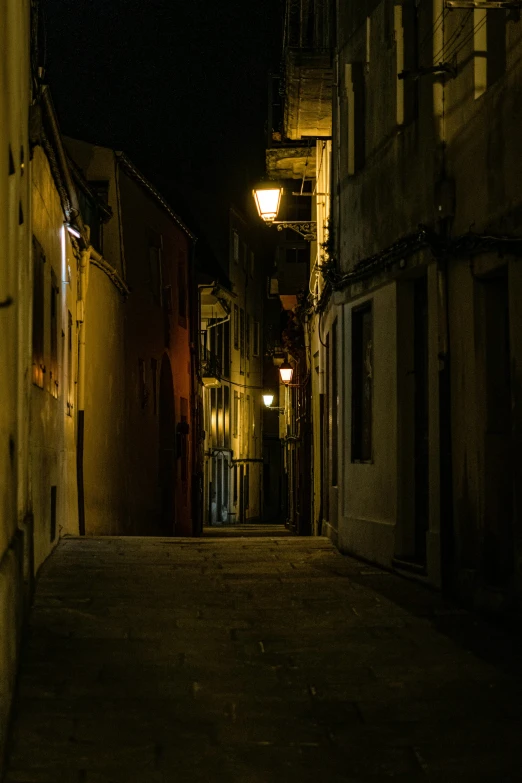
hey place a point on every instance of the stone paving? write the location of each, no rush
(252, 660)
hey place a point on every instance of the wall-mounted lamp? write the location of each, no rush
(268, 400)
(268, 199)
(73, 230)
(286, 371)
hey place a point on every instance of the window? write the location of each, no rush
(184, 431)
(255, 339)
(247, 486)
(356, 108)
(155, 274)
(167, 313)
(154, 374)
(142, 384)
(235, 415)
(38, 314)
(241, 425)
(407, 54)
(362, 383)
(489, 44)
(236, 327)
(247, 335)
(242, 339)
(226, 349)
(53, 368)
(244, 253)
(333, 406)
(182, 291)
(220, 428)
(247, 424)
(235, 484)
(70, 369)
(226, 417)
(235, 247)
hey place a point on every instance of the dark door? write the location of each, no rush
(498, 546)
(241, 494)
(167, 443)
(421, 414)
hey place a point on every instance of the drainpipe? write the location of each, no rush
(85, 266)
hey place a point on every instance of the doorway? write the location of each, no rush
(167, 441)
(421, 413)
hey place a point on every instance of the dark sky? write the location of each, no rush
(179, 85)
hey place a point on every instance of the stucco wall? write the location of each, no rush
(368, 512)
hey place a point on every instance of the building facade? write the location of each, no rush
(140, 315)
(232, 329)
(415, 339)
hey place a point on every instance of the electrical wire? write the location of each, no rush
(443, 53)
(468, 38)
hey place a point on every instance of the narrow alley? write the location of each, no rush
(254, 658)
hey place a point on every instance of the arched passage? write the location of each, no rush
(167, 444)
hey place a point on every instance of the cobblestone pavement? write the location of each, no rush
(255, 660)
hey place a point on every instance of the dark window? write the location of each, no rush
(362, 383)
(235, 484)
(142, 384)
(70, 369)
(226, 349)
(496, 45)
(155, 276)
(255, 339)
(235, 415)
(38, 314)
(242, 339)
(410, 23)
(236, 327)
(184, 440)
(154, 374)
(357, 107)
(53, 368)
(247, 487)
(235, 246)
(226, 417)
(182, 291)
(334, 403)
(167, 313)
(247, 335)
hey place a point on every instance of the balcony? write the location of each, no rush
(290, 161)
(308, 69)
(308, 93)
(211, 370)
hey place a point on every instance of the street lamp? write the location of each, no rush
(268, 199)
(286, 371)
(268, 400)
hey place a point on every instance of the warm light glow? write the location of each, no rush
(268, 399)
(74, 231)
(286, 372)
(267, 200)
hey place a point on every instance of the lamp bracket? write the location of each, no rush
(306, 228)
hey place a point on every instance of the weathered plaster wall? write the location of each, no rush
(369, 503)
(52, 427)
(145, 222)
(14, 253)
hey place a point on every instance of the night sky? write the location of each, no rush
(181, 87)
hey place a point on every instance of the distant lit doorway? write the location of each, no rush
(167, 443)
